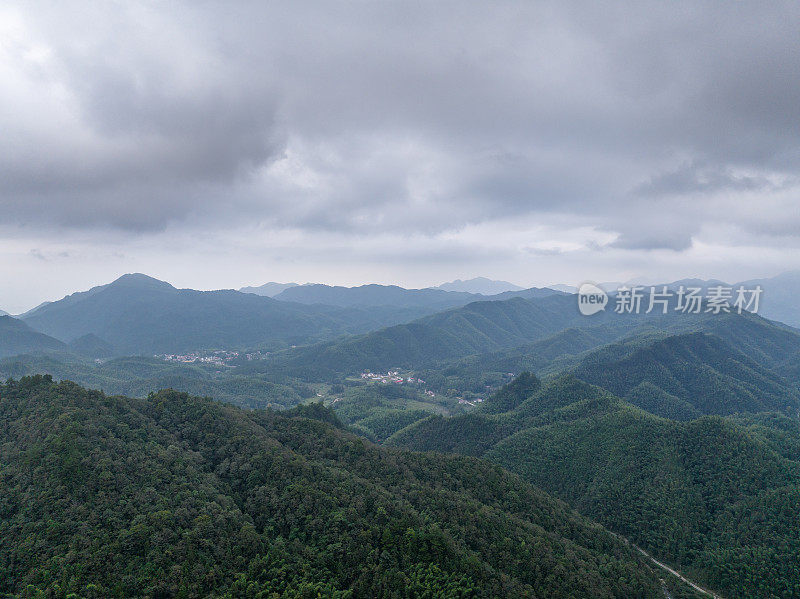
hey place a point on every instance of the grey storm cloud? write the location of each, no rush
(422, 116)
(701, 178)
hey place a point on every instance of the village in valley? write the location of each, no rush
(213, 357)
(394, 377)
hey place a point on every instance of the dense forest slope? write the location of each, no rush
(685, 376)
(476, 328)
(179, 496)
(716, 497)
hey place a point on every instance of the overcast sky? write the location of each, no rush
(217, 145)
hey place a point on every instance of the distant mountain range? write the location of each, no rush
(480, 285)
(137, 314)
(268, 289)
(476, 286)
(777, 301)
(375, 295)
(431, 299)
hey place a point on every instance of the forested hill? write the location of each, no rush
(490, 326)
(174, 496)
(685, 376)
(476, 328)
(18, 338)
(717, 498)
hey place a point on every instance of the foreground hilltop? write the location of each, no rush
(715, 497)
(180, 496)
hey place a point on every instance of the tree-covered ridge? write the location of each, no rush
(18, 338)
(715, 497)
(137, 376)
(779, 431)
(476, 432)
(476, 328)
(180, 496)
(378, 411)
(685, 376)
(541, 335)
(680, 376)
(510, 396)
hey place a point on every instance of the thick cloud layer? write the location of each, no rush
(648, 126)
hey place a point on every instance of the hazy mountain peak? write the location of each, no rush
(270, 289)
(141, 281)
(131, 281)
(480, 285)
(695, 282)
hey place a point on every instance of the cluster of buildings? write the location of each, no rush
(217, 358)
(214, 358)
(393, 376)
(470, 403)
